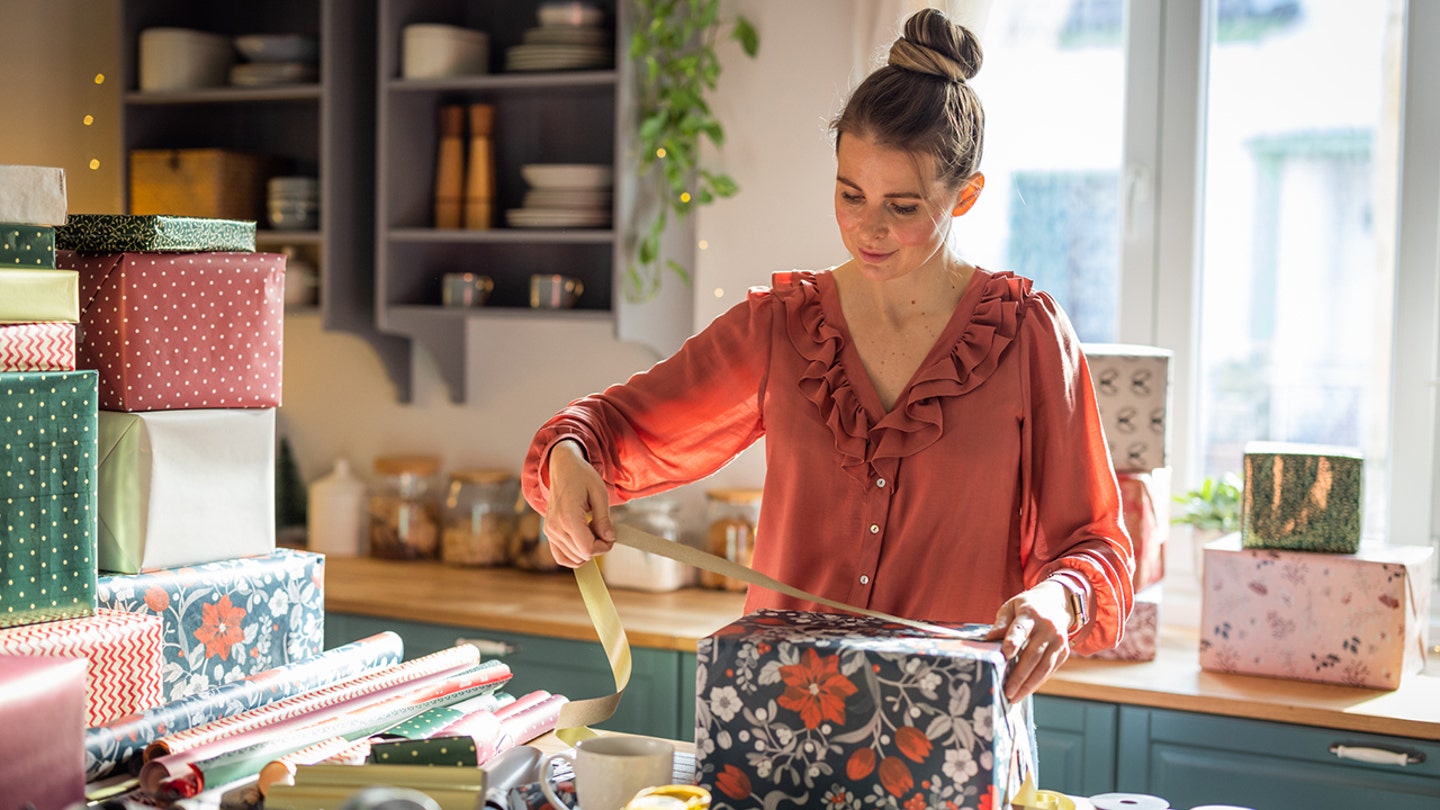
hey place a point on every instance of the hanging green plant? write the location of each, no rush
(674, 48)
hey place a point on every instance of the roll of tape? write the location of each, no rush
(1128, 801)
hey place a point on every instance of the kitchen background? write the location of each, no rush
(1301, 144)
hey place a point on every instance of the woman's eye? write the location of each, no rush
(851, 198)
(904, 210)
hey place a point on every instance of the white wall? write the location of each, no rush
(338, 400)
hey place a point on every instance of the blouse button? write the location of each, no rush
(864, 579)
(879, 482)
(874, 528)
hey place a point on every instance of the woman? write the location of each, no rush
(933, 448)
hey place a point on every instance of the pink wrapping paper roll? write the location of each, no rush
(334, 697)
(186, 774)
(529, 717)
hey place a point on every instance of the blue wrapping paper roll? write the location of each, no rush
(114, 746)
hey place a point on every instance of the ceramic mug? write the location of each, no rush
(554, 291)
(466, 289)
(610, 770)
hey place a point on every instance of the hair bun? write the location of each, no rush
(935, 46)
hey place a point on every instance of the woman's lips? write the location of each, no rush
(873, 258)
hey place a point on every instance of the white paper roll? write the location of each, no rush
(1128, 801)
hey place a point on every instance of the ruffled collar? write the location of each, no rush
(985, 322)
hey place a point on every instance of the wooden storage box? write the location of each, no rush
(214, 183)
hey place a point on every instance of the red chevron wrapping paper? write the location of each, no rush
(37, 347)
(123, 676)
(170, 331)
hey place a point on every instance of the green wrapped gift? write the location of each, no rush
(1302, 497)
(47, 495)
(27, 245)
(456, 750)
(121, 233)
(38, 296)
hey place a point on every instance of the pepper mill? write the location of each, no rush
(480, 171)
(450, 167)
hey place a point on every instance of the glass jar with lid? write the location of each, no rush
(625, 567)
(732, 516)
(479, 517)
(404, 514)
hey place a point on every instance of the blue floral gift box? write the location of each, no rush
(797, 709)
(227, 620)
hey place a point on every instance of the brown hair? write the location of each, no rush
(922, 101)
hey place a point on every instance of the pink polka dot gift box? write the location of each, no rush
(173, 331)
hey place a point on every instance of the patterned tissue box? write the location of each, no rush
(1353, 619)
(123, 650)
(227, 620)
(817, 709)
(1302, 497)
(1132, 391)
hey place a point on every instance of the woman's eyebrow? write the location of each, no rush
(907, 195)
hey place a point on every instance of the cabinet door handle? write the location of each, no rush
(489, 648)
(1377, 756)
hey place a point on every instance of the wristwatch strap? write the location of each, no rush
(1078, 598)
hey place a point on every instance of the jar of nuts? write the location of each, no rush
(479, 517)
(733, 514)
(404, 516)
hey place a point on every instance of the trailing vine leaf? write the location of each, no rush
(674, 43)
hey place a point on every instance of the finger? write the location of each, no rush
(601, 525)
(1021, 683)
(1017, 636)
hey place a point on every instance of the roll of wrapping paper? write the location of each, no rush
(339, 750)
(114, 746)
(527, 718)
(433, 721)
(458, 751)
(334, 697)
(179, 776)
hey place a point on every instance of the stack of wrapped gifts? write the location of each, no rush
(153, 638)
(1295, 594)
(1132, 390)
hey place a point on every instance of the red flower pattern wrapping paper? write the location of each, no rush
(37, 347)
(124, 652)
(173, 331)
(829, 710)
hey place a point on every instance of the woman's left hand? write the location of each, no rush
(1032, 630)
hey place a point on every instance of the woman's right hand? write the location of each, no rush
(577, 520)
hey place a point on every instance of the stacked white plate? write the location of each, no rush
(570, 37)
(564, 195)
(276, 59)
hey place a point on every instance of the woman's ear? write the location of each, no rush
(969, 193)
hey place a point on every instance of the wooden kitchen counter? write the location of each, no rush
(550, 605)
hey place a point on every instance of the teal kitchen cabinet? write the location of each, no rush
(576, 669)
(1076, 745)
(1195, 759)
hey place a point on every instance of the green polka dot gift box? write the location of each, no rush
(1302, 497)
(47, 495)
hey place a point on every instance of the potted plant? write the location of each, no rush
(674, 47)
(1212, 510)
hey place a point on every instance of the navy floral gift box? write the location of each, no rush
(797, 709)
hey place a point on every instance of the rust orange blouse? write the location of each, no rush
(989, 474)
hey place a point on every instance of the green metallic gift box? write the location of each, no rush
(27, 245)
(136, 233)
(47, 495)
(1302, 497)
(39, 296)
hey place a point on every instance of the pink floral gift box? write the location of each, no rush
(227, 620)
(1353, 619)
(828, 710)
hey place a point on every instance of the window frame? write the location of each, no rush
(1162, 186)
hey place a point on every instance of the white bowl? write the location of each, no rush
(570, 13)
(278, 47)
(437, 51)
(261, 74)
(183, 59)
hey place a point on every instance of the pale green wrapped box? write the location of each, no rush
(138, 233)
(1302, 497)
(184, 487)
(39, 295)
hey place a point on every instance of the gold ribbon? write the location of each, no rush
(577, 715)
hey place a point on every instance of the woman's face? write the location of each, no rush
(893, 214)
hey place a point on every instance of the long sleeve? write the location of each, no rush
(675, 423)
(1071, 516)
